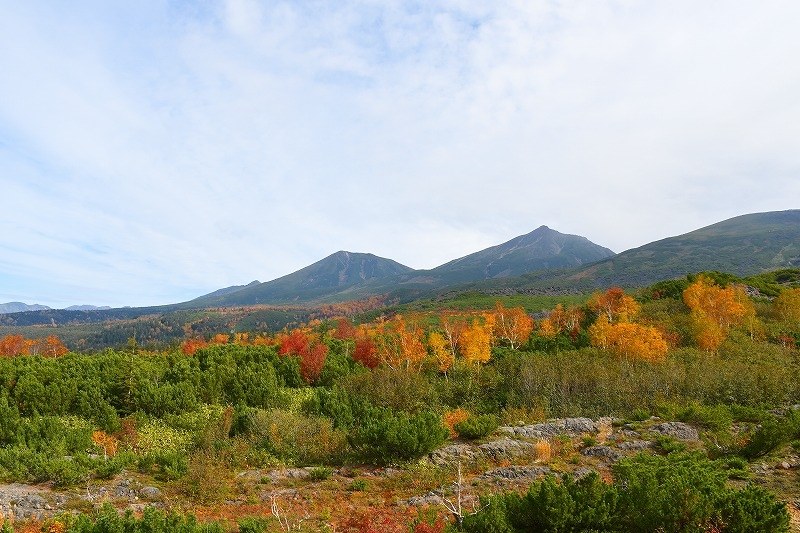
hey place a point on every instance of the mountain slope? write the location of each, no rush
(541, 249)
(19, 307)
(337, 273)
(743, 245)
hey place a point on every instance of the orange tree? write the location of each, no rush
(715, 310)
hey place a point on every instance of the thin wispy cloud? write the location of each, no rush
(153, 152)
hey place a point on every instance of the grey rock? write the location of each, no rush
(603, 452)
(453, 454)
(150, 493)
(431, 498)
(634, 445)
(678, 430)
(124, 491)
(25, 502)
(516, 472)
(564, 426)
(505, 449)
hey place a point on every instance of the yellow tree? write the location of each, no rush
(476, 342)
(399, 344)
(513, 325)
(600, 332)
(410, 338)
(628, 340)
(452, 327)
(787, 305)
(716, 310)
(440, 350)
(615, 304)
(561, 320)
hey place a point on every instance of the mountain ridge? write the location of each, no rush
(742, 245)
(360, 275)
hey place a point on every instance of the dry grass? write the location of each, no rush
(543, 450)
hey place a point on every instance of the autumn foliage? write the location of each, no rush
(716, 310)
(615, 305)
(560, 321)
(512, 326)
(787, 305)
(308, 348)
(614, 329)
(628, 340)
(16, 345)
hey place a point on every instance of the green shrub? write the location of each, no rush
(108, 467)
(299, 438)
(476, 427)
(320, 473)
(753, 509)
(674, 493)
(385, 437)
(713, 417)
(358, 485)
(253, 525)
(667, 491)
(586, 504)
(166, 465)
(772, 432)
(667, 444)
(108, 520)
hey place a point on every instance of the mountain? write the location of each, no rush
(19, 307)
(87, 308)
(348, 276)
(743, 245)
(541, 249)
(336, 274)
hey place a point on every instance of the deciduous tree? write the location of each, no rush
(306, 346)
(440, 350)
(615, 304)
(512, 326)
(716, 310)
(476, 342)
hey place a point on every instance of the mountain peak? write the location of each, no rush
(542, 248)
(19, 307)
(340, 271)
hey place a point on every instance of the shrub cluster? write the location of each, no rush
(673, 493)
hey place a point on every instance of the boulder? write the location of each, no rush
(505, 449)
(603, 452)
(677, 430)
(564, 426)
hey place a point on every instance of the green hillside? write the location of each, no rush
(744, 245)
(335, 274)
(541, 249)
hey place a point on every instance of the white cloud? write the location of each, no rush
(152, 153)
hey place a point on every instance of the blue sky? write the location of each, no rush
(154, 151)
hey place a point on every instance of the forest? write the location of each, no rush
(342, 423)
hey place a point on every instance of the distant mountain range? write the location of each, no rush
(19, 307)
(348, 275)
(543, 260)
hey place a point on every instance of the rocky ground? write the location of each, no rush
(511, 458)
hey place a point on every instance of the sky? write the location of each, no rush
(152, 152)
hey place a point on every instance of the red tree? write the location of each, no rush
(309, 349)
